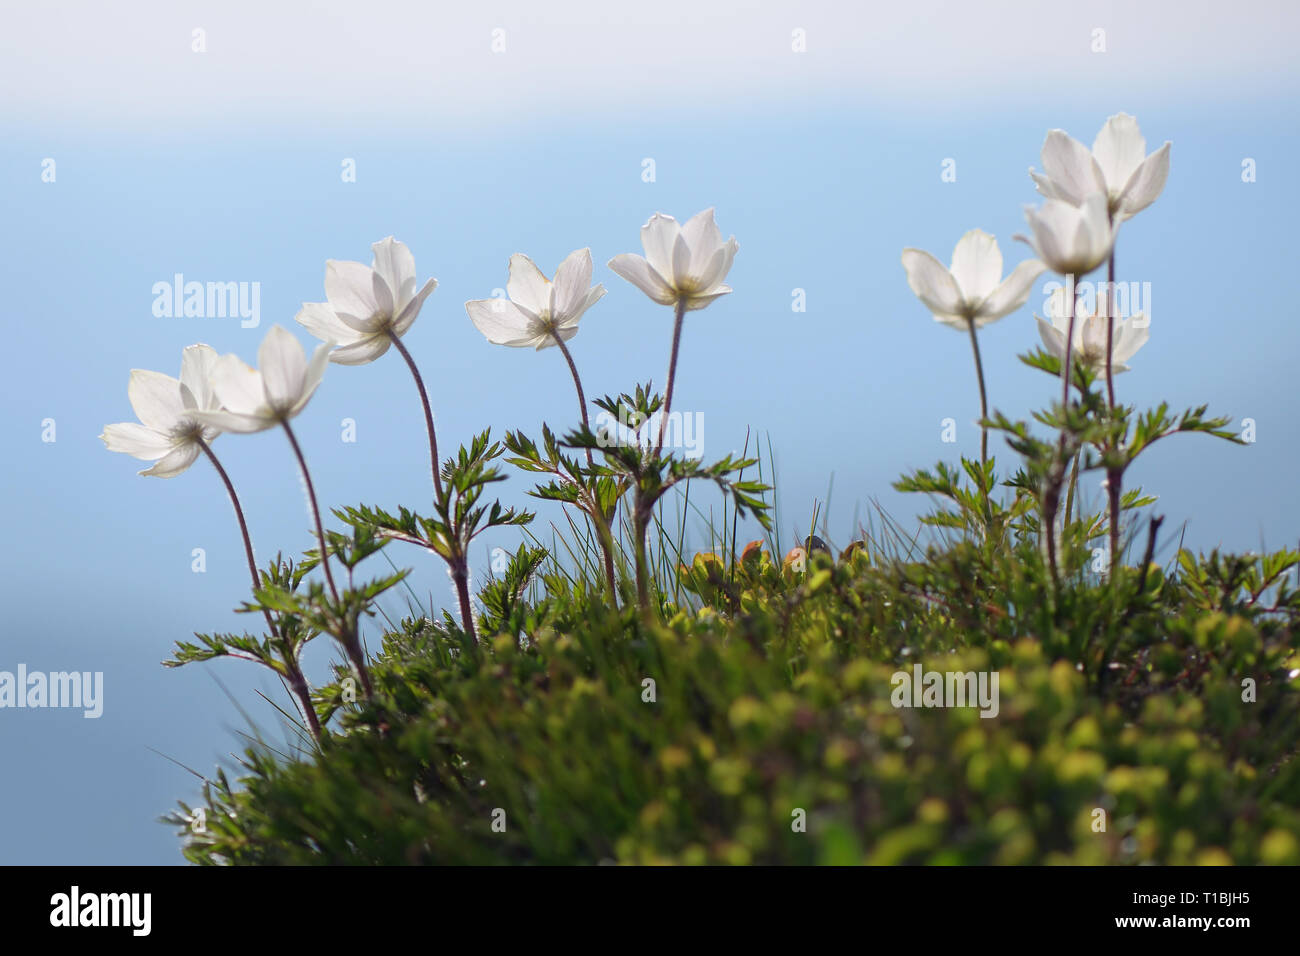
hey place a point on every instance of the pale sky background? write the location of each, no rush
(225, 166)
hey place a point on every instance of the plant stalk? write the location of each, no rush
(297, 681)
(428, 411)
(349, 640)
(672, 371)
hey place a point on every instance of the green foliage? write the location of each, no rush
(1124, 694)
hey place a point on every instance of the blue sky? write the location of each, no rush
(225, 166)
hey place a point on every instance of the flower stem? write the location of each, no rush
(1053, 499)
(640, 527)
(348, 639)
(315, 509)
(1070, 490)
(1114, 482)
(984, 401)
(296, 679)
(428, 412)
(984, 414)
(577, 383)
(672, 371)
(1110, 327)
(460, 574)
(1067, 363)
(1114, 477)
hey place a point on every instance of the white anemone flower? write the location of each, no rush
(169, 431)
(972, 290)
(1072, 240)
(368, 306)
(254, 400)
(1090, 336)
(1117, 166)
(538, 310)
(683, 265)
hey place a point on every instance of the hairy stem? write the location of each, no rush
(672, 371)
(577, 383)
(1114, 478)
(346, 636)
(984, 414)
(984, 400)
(1110, 328)
(428, 411)
(640, 527)
(297, 681)
(1067, 363)
(460, 574)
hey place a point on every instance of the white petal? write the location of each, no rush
(658, 238)
(932, 283)
(1053, 339)
(682, 277)
(704, 239)
(1062, 235)
(350, 288)
(321, 321)
(976, 265)
(720, 265)
(174, 462)
(395, 263)
(706, 298)
(528, 285)
(385, 301)
(1101, 232)
(1071, 167)
(197, 363)
(1119, 149)
(591, 298)
(547, 341)
(572, 280)
(312, 376)
(1045, 185)
(361, 352)
(500, 321)
(138, 441)
(1012, 293)
(645, 277)
(238, 387)
(412, 309)
(1130, 336)
(283, 365)
(156, 399)
(1145, 185)
(239, 423)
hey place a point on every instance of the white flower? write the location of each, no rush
(973, 289)
(1118, 167)
(366, 303)
(169, 432)
(1072, 240)
(254, 400)
(1090, 336)
(538, 309)
(682, 263)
